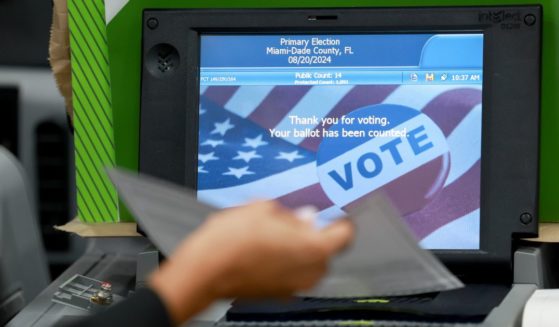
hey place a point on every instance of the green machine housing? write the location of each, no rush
(106, 60)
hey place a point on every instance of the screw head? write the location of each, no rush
(529, 19)
(526, 218)
(153, 23)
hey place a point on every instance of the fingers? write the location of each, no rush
(275, 209)
(307, 214)
(337, 236)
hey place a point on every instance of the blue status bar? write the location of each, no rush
(337, 76)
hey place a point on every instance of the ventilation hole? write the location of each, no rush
(52, 160)
(9, 120)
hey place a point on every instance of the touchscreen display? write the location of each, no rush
(327, 120)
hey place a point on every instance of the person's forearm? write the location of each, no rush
(261, 250)
(189, 292)
(173, 299)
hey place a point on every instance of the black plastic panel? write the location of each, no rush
(9, 112)
(511, 99)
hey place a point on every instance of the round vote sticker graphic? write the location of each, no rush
(389, 148)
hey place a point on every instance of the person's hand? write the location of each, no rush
(258, 250)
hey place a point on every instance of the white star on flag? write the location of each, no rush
(201, 169)
(213, 143)
(207, 157)
(289, 156)
(247, 156)
(202, 111)
(254, 142)
(222, 128)
(238, 172)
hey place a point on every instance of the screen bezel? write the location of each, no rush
(510, 98)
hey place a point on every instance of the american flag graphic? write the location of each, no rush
(239, 161)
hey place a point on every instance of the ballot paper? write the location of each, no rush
(384, 259)
(541, 309)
